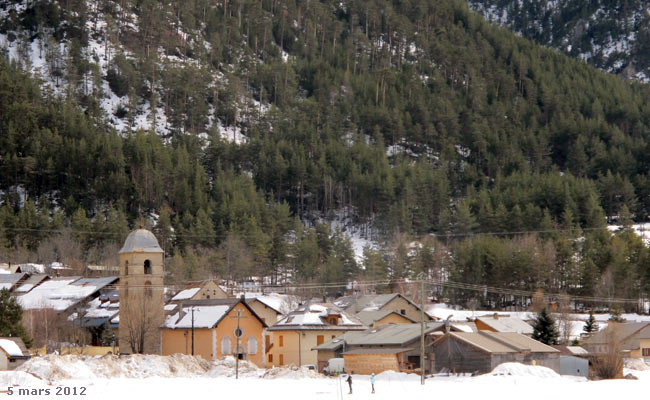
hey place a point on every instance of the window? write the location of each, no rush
(320, 339)
(270, 358)
(333, 336)
(252, 345)
(281, 344)
(126, 267)
(147, 267)
(646, 352)
(402, 311)
(147, 289)
(225, 345)
(281, 359)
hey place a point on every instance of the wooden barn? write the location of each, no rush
(481, 352)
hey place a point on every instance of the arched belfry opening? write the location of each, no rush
(147, 267)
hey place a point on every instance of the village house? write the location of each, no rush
(13, 353)
(386, 347)
(632, 337)
(383, 317)
(310, 325)
(481, 352)
(208, 328)
(97, 317)
(503, 323)
(382, 302)
(267, 307)
(200, 290)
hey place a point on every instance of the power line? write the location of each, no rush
(430, 282)
(437, 235)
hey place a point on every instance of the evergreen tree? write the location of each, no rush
(11, 315)
(545, 329)
(616, 314)
(591, 325)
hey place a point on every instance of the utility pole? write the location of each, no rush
(238, 333)
(192, 330)
(422, 328)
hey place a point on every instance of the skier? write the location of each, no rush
(349, 381)
(372, 382)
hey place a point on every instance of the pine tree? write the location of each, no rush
(616, 314)
(11, 315)
(545, 329)
(590, 325)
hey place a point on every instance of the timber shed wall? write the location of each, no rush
(456, 356)
(365, 364)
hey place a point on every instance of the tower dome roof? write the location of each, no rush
(141, 241)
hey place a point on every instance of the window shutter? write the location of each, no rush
(225, 345)
(252, 345)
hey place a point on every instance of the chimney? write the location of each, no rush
(181, 311)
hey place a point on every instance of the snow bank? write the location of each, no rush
(18, 378)
(56, 367)
(636, 364)
(397, 376)
(517, 369)
(226, 368)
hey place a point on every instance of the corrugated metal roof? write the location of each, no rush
(141, 241)
(11, 278)
(381, 350)
(384, 335)
(501, 342)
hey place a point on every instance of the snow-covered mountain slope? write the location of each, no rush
(611, 35)
(92, 52)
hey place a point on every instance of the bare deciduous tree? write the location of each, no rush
(139, 321)
(608, 363)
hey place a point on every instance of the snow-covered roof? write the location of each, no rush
(11, 347)
(31, 283)
(32, 268)
(186, 294)
(141, 241)
(62, 293)
(204, 317)
(8, 281)
(282, 303)
(314, 316)
(502, 323)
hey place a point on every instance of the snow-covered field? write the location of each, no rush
(179, 377)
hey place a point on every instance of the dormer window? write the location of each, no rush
(332, 319)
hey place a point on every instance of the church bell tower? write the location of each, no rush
(141, 293)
